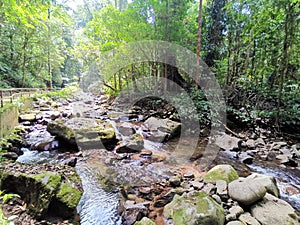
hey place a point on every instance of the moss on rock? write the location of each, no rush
(56, 192)
(68, 195)
(194, 208)
(221, 172)
(144, 221)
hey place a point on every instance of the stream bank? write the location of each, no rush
(137, 178)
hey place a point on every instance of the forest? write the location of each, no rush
(252, 48)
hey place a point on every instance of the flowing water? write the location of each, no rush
(97, 206)
(286, 179)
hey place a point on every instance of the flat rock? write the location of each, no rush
(246, 218)
(27, 117)
(163, 126)
(272, 210)
(83, 133)
(235, 223)
(227, 142)
(134, 144)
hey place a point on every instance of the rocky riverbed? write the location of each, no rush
(132, 171)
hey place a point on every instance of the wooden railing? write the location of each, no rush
(9, 95)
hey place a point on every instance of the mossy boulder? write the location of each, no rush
(145, 221)
(36, 190)
(47, 189)
(65, 201)
(221, 172)
(194, 208)
(83, 133)
(64, 133)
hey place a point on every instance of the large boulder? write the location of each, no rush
(268, 182)
(221, 172)
(83, 133)
(253, 188)
(64, 133)
(227, 142)
(162, 129)
(194, 208)
(45, 188)
(245, 192)
(272, 210)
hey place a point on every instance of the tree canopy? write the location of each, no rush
(252, 46)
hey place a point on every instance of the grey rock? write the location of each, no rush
(272, 210)
(189, 175)
(168, 126)
(259, 142)
(221, 187)
(126, 129)
(9, 155)
(230, 217)
(245, 158)
(209, 189)
(197, 185)
(295, 149)
(235, 223)
(236, 210)
(250, 143)
(134, 144)
(246, 218)
(227, 142)
(27, 117)
(245, 191)
(283, 159)
(217, 198)
(133, 212)
(268, 182)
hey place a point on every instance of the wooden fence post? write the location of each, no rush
(1, 96)
(11, 96)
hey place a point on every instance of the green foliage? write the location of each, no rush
(6, 197)
(32, 40)
(64, 93)
(202, 106)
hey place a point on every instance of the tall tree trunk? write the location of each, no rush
(248, 53)
(166, 59)
(48, 50)
(198, 45)
(228, 73)
(24, 48)
(284, 60)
